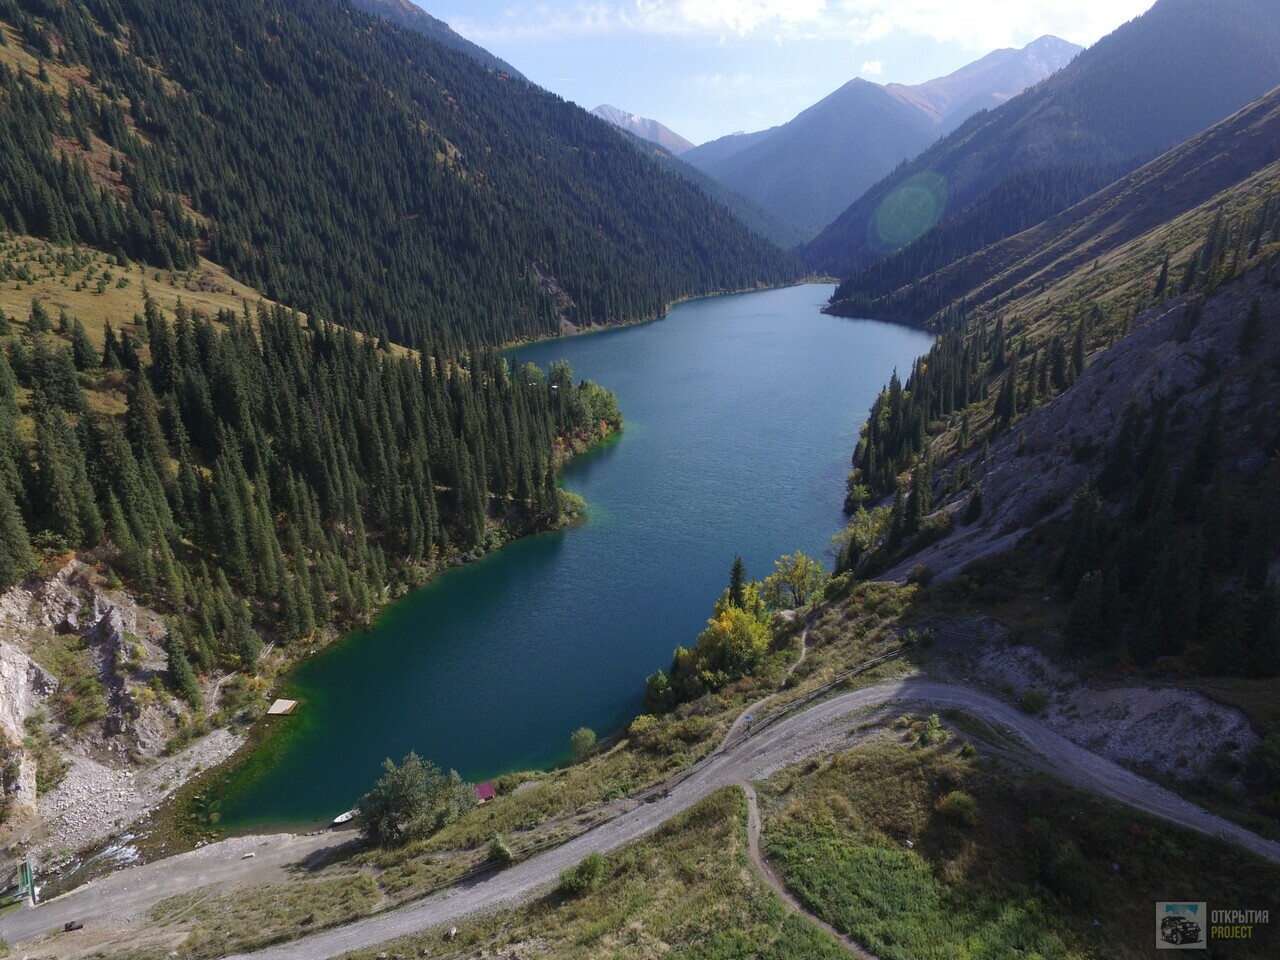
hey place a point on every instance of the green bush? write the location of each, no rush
(960, 808)
(932, 731)
(583, 743)
(585, 876)
(500, 851)
(1034, 701)
(920, 575)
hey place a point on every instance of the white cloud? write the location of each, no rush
(975, 24)
(872, 68)
(984, 24)
(727, 16)
(727, 85)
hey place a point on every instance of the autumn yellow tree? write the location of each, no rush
(796, 580)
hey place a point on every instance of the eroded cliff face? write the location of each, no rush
(1033, 470)
(69, 640)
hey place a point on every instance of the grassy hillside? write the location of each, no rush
(96, 288)
(1002, 862)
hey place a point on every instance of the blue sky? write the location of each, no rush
(710, 67)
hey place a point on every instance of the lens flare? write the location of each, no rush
(909, 211)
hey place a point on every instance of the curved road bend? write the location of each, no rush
(786, 742)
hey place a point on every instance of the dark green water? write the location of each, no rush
(741, 415)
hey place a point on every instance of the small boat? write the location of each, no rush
(344, 817)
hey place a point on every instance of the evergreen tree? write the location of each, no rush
(15, 548)
(181, 676)
(737, 580)
(974, 508)
(85, 356)
(38, 318)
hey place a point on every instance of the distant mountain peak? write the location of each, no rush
(812, 167)
(988, 82)
(1051, 53)
(644, 128)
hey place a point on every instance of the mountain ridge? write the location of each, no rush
(410, 16)
(987, 82)
(1195, 64)
(818, 163)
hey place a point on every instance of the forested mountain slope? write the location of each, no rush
(1155, 81)
(243, 470)
(345, 167)
(1100, 419)
(409, 15)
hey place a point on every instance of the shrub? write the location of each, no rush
(1034, 701)
(932, 731)
(642, 729)
(920, 575)
(500, 851)
(585, 876)
(411, 801)
(583, 743)
(960, 808)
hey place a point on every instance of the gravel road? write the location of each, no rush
(743, 760)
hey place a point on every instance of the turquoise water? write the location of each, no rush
(741, 413)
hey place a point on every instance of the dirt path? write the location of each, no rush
(770, 876)
(765, 751)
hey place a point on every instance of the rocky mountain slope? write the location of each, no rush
(986, 83)
(1177, 182)
(1100, 419)
(92, 737)
(810, 168)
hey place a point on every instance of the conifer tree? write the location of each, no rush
(737, 580)
(38, 318)
(86, 358)
(15, 548)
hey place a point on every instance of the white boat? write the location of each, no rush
(344, 817)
